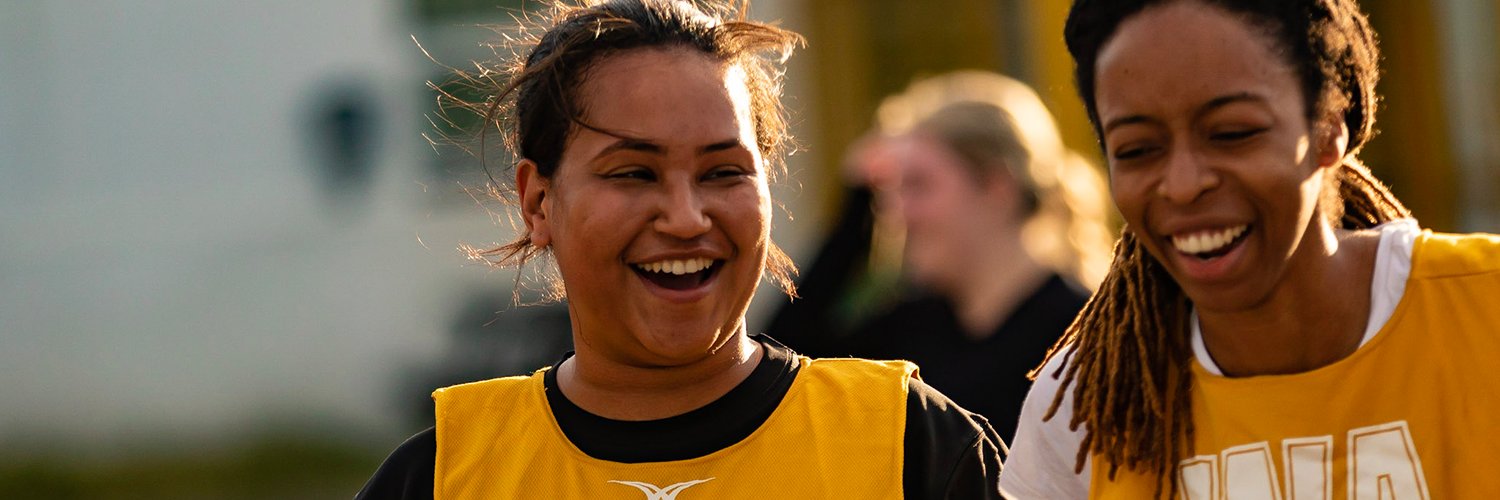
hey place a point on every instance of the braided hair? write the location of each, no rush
(1127, 357)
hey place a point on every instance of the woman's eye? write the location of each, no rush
(726, 172)
(1235, 135)
(1132, 152)
(632, 174)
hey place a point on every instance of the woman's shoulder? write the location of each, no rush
(950, 452)
(1043, 455)
(930, 413)
(1439, 255)
(407, 474)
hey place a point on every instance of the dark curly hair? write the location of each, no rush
(1128, 354)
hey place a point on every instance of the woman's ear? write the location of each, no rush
(532, 188)
(1333, 142)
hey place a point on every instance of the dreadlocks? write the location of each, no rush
(1128, 355)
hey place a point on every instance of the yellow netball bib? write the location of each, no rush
(837, 433)
(1412, 415)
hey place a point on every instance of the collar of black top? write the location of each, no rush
(717, 425)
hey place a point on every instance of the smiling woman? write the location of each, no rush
(1274, 325)
(647, 132)
(666, 177)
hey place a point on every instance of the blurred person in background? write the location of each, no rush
(1274, 324)
(646, 133)
(1005, 232)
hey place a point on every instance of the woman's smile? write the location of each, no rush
(679, 280)
(1209, 243)
(1210, 255)
(1210, 152)
(659, 213)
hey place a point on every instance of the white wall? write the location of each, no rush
(169, 263)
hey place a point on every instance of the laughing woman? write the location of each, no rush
(646, 133)
(1274, 325)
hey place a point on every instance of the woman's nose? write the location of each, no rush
(1186, 177)
(682, 212)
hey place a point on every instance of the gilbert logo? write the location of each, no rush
(670, 492)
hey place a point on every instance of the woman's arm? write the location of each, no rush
(407, 474)
(807, 324)
(1043, 453)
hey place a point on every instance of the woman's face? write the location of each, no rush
(1212, 160)
(660, 227)
(948, 211)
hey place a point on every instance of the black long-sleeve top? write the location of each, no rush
(982, 373)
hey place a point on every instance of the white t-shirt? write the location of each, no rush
(1041, 460)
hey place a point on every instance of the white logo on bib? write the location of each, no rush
(668, 493)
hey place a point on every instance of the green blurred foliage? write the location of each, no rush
(288, 466)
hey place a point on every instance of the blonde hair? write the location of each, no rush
(998, 124)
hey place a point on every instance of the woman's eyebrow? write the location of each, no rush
(1125, 120)
(1211, 105)
(644, 146)
(1225, 100)
(721, 146)
(629, 144)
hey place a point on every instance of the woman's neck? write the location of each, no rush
(1316, 316)
(622, 391)
(988, 292)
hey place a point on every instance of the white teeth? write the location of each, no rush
(677, 266)
(1207, 241)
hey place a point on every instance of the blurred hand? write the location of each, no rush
(874, 161)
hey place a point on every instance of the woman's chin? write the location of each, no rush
(682, 348)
